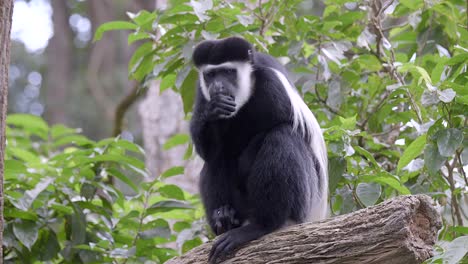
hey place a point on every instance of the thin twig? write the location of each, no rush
(454, 202)
(377, 24)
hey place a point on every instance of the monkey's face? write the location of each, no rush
(221, 81)
(230, 79)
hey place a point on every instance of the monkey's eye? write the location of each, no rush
(230, 71)
(209, 74)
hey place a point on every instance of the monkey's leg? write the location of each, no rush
(216, 189)
(278, 190)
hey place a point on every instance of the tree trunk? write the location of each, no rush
(402, 230)
(59, 64)
(6, 13)
(101, 73)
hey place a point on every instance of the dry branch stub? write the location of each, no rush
(401, 230)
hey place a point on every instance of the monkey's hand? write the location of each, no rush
(224, 219)
(221, 106)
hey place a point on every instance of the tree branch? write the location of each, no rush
(402, 230)
(123, 107)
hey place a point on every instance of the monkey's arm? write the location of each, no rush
(205, 113)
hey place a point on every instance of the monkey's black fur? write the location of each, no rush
(217, 52)
(258, 172)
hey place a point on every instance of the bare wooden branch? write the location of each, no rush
(401, 230)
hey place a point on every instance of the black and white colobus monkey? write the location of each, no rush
(265, 157)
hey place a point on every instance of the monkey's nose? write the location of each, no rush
(217, 87)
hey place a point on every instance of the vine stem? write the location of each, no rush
(140, 222)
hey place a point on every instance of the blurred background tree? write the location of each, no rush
(58, 72)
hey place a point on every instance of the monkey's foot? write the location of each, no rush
(233, 239)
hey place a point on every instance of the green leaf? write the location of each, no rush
(12, 212)
(176, 140)
(30, 123)
(187, 90)
(416, 70)
(432, 159)
(368, 193)
(144, 18)
(455, 250)
(348, 123)
(388, 179)
(369, 62)
(172, 191)
(177, 170)
(78, 227)
(336, 169)
(142, 51)
(138, 36)
(14, 167)
(79, 140)
(457, 59)
(23, 154)
(179, 226)
(119, 159)
(168, 81)
(165, 206)
(191, 244)
(130, 146)
(49, 245)
(119, 175)
(59, 130)
(337, 203)
(114, 25)
(366, 154)
(31, 195)
(448, 140)
(67, 210)
(26, 232)
(164, 232)
(412, 4)
(412, 151)
(189, 151)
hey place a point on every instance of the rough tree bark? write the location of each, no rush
(6, 13)
(402, 230)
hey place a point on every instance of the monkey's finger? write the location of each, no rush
(225, 98)
(227, 104)
(226, 220)
(221, 249)
(222, 112)
(227, 108)
(219, 228)
(215, 249)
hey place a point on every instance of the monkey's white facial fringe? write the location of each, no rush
(244, 81)
(305, 121)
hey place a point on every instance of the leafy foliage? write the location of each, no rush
(387, 80)
(61, 207)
